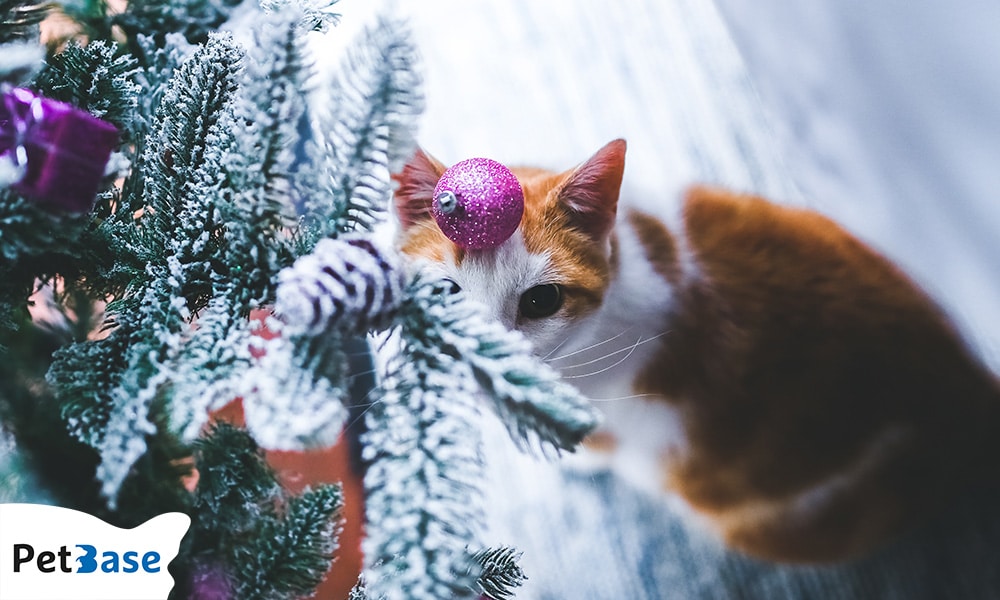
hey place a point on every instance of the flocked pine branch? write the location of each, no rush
(294, 397)
(214, 171)
(180, 161)
(175, 300)
(36, 244)
(367, 134)
(527, 395)
(216, 182)
(291, 551)
(358, 592)
(96, 78)
(424, 503)
(263, 543)
(159, 59)
(501, 572)
(346, 286)
(257, 162)
(316, 15)
(82, 375)
(195, 19)
(302, 368)
(207, 358)
(237, 236)
(420, 446)
(173, 240)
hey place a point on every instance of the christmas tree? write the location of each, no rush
(126, 322)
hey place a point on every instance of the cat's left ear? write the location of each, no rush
(590, 194)
(415, 191)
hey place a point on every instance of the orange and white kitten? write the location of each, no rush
(793, 385)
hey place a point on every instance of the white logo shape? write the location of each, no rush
(49, 553)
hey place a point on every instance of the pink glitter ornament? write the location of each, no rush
(478, 203)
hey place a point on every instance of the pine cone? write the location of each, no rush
(347, 284)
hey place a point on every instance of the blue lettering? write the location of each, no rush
(150, 559)
(131, 564)
(87, 562)
(110, 564)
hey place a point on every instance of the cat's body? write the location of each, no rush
(793, 385)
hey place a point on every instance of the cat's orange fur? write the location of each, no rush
(826, 401)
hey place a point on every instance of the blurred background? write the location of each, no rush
(884, 115)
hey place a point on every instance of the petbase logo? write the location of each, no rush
(50, 553)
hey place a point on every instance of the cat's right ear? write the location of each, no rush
(415, 191)
(590, 194)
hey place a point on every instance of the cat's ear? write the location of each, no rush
(590, 193)
(415, 191)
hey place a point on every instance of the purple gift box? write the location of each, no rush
(63, 150)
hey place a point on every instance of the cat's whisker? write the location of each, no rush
(600, 358)
(616, 352)
(619, 398)
(631, 350)
(367, 405)
(355, 374)
(390, 370)
(558, 346)
(590, 347)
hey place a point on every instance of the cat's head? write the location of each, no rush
(553, 272)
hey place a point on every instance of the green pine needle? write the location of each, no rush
(96, 78)
(367, 134)
(500, 572)
(270, 544)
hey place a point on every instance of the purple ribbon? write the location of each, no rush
(62, 151)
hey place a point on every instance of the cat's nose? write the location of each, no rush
(507, 314)
(494, 305)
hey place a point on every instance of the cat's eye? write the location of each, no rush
(448, 286)
(541, 301)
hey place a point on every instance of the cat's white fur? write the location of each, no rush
(599, 353)
(611, 345)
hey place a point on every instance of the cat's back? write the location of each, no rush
(828, 400)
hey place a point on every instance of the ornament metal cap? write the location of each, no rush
(446, 202)
(478, 203)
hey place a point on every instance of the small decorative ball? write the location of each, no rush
(478, 203)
